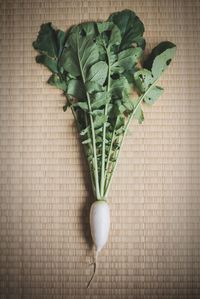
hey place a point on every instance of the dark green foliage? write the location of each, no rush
(98, 65)
(131, 28)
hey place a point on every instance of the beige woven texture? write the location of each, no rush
(45, 194)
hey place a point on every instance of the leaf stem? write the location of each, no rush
(96, 175)
(109, 154)
(84, 146)
(89, 162)
(125, 132)
(104, 135)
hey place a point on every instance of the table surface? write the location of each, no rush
(45, 194)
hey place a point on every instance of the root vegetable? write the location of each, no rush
(99, 225)
(99, 66)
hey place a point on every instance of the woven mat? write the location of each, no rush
(45, 194)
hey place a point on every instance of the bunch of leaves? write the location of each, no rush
(99, 65)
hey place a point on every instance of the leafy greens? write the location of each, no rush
(98, 66)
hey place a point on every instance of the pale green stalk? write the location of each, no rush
(79, 130)
(125, 132)
(104, 135)
(96, 175)
(109, 154)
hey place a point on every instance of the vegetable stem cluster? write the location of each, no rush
(101, 69)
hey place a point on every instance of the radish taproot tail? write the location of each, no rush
(99, 225)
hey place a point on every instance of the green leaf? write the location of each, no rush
(98, 72)
(139, 115)
(88, 28)
(87, 141)
(46, 42)
(153, 95)
(120, 122)
(85, 131)
(119, 87)
(82, 105)
(143, 79)
(112, 58)
(97, 112)
(49, 44)
(129, 75)
(80, 54)
(100, 99)
(131, 28)
(56, 81)
(116, 69)
(92, 87)
(99, 120)
(51, 64)
(128, 104)
(61, 36)
(160, 58)
(110, 33)
(128, 58)
(98, 131)
(76, 89)
(115, 36)
(69, 62)
(118, 108)
(85, 50)
(104, 26)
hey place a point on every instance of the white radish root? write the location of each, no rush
(99, 225)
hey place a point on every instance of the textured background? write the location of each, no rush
(45, 244)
